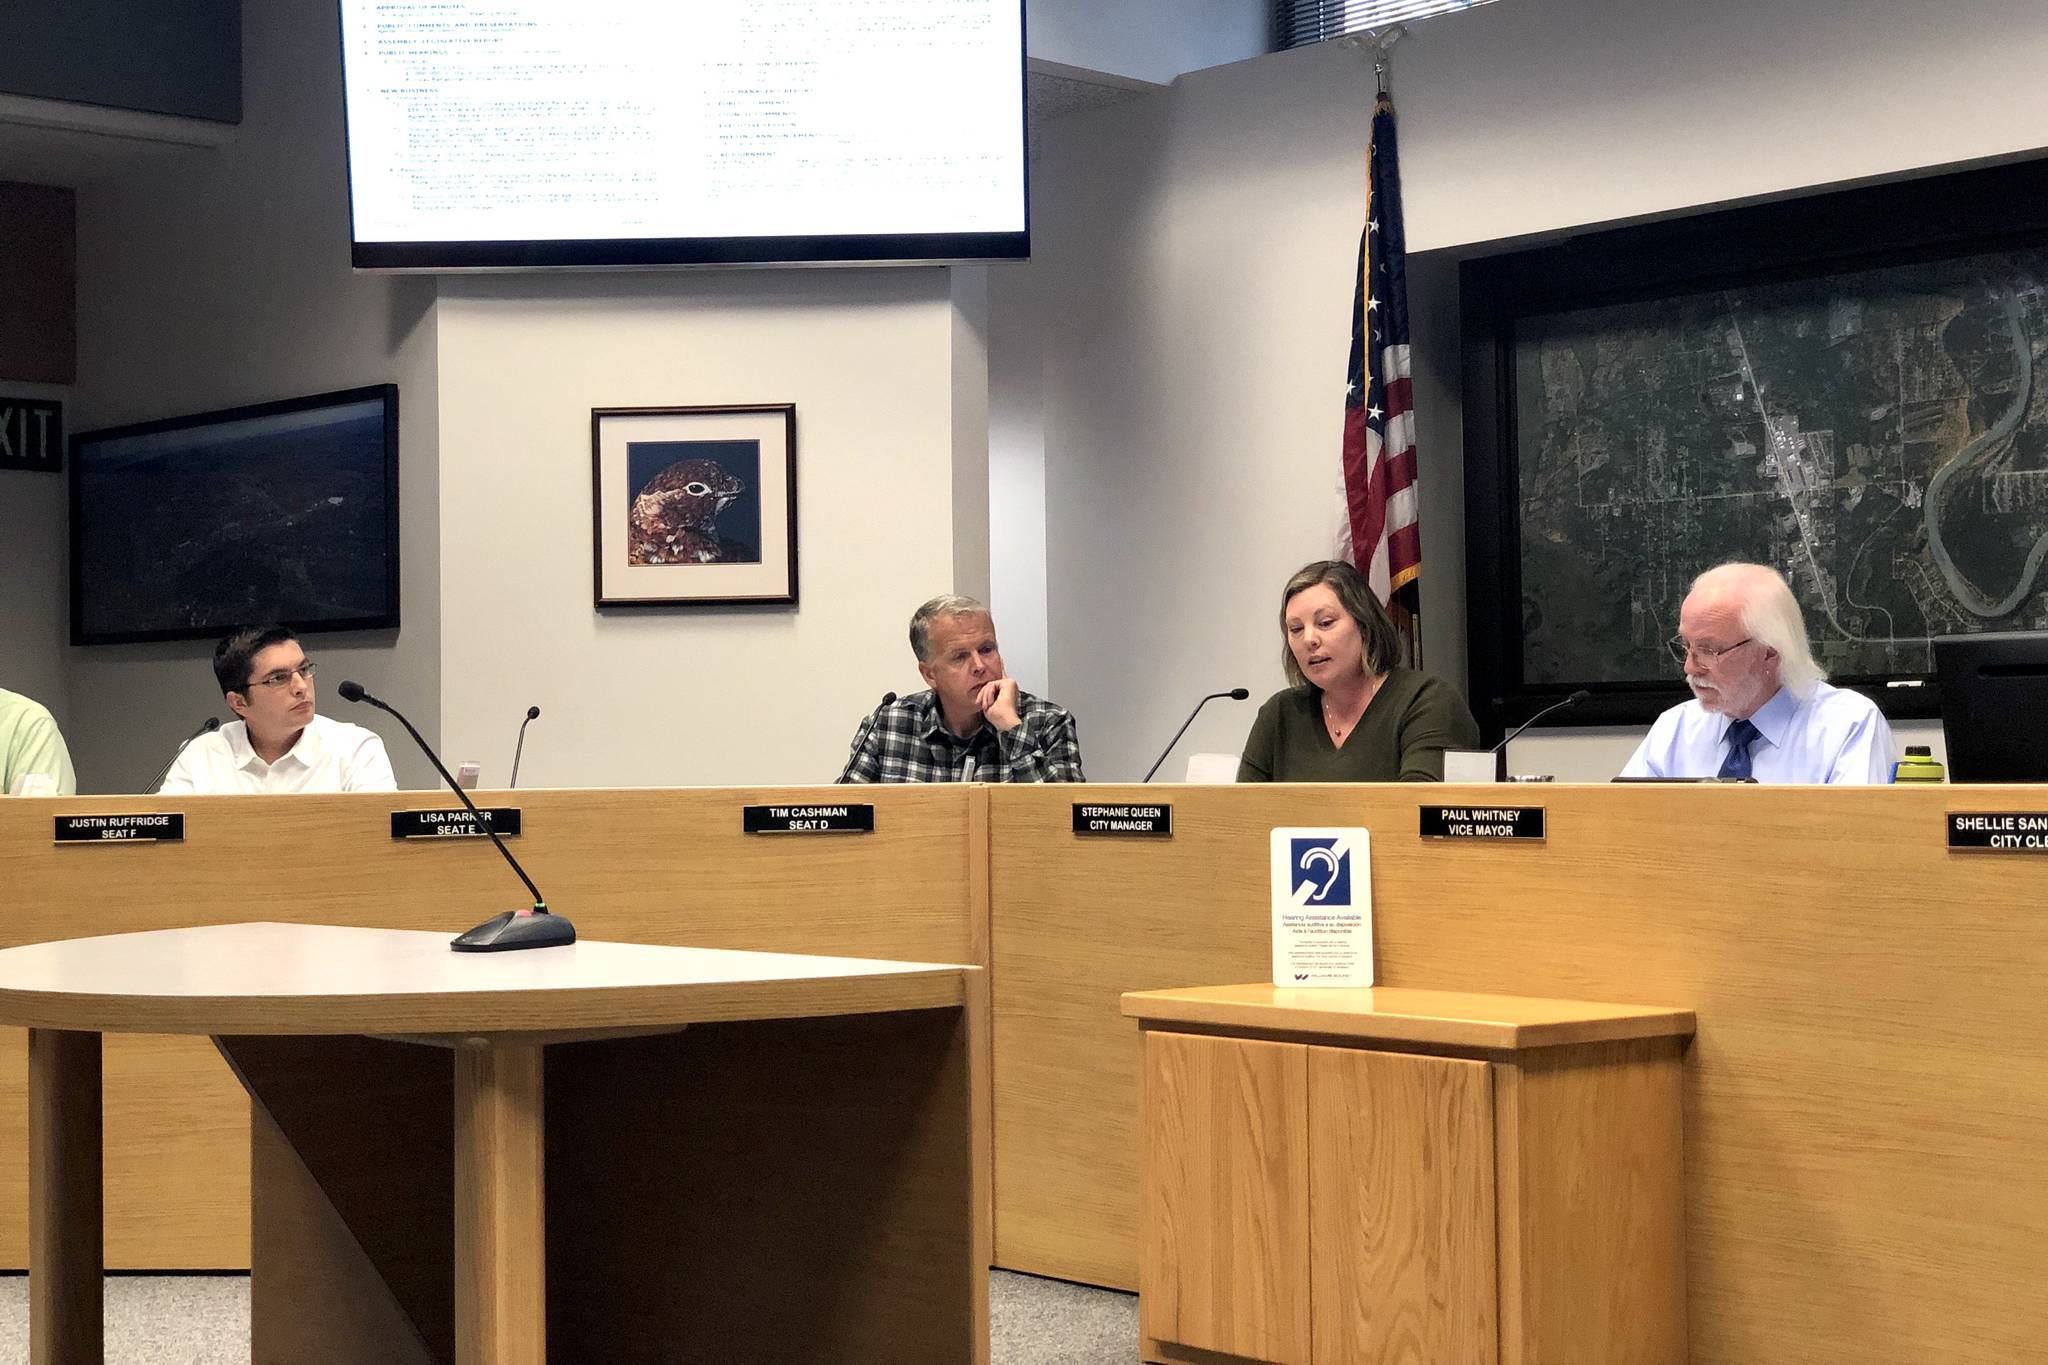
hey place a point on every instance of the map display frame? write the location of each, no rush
(187, 527)
(1852, 387)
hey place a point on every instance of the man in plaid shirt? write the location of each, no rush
(974, 724)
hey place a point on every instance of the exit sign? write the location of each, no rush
(31, 434)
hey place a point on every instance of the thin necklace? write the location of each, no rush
(1338, 731)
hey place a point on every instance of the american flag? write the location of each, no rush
(1380, 534)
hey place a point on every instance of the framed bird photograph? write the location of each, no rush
(694, 506)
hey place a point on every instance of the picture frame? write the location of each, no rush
(184, 528)
(694, 506)
(1616, 612)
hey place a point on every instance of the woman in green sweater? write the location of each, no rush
(1352, 715)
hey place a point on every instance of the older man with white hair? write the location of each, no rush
(1760, 707)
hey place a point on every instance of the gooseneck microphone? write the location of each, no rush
(860, 737)
(535, 928)
(1235, 694)
(532, 715)
(156, 783)
(1500, 750)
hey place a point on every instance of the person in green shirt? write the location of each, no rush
(30, 745)
(1352, 715)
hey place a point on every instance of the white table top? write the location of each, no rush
(315, 979)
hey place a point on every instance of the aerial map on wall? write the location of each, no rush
(1881, 437)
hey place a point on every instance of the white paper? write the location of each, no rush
(1470, 765)
(1322, 907)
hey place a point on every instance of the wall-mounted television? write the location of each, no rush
(523, 134)
(188, 527)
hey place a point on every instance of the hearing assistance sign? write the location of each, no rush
(1322, 907)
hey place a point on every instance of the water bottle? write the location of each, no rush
(1918, 766)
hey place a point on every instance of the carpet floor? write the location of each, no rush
(204, 1320)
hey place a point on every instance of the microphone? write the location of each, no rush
(212, 724)
(534, 928)
(967, 769)
(532, 715)
(860, 737)
(1500, 750)
(1235, 694)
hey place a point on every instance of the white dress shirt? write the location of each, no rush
(1832, 736)
(330, 756)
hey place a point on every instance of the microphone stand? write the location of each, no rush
(1500, 750)
(535, 928)
(532, 714)
(860, 737)
(212, 724)
(1235, 694)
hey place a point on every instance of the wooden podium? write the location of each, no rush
(1365, 1177)
(605, 1151)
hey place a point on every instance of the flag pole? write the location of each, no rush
(1381, 535)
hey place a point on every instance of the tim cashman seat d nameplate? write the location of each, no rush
(848, 819)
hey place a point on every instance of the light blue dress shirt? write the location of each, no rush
(1832, 736)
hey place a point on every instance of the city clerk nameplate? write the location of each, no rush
(454, 823)
(1482, 822)
(127, 829)
(850, 819)
(2009, 831)
(1142, 821)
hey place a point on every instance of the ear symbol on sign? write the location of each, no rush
(1328, 860)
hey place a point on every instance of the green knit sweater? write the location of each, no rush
(1401, 737)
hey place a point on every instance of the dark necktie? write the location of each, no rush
(1741, 734)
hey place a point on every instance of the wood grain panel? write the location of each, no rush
(642, 866)
(731, 1194)
(1402, 1214)
(1404, 1017)
(1862, 1170)
(1226, 1188)
(358, 1211)
(763, 1193)
(1594, 1134)
(66, 1323)
(319, 1299)
(500, 1206)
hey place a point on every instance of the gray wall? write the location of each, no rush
(224, 280)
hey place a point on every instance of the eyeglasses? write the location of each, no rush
(1706, 654)
(283, 677)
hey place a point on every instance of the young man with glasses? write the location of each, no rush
(279, 744)
(1761, 707)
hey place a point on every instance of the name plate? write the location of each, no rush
(126, 829)
(1482, 822)
(1142, 822)
(2018, 831)
(855, 819)
(454, 823)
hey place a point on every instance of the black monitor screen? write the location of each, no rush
(1994, 705)
(188, 527)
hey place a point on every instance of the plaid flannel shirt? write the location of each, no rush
(907, 741)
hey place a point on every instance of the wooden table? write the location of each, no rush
(635, 1152)
(1495, 1178)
